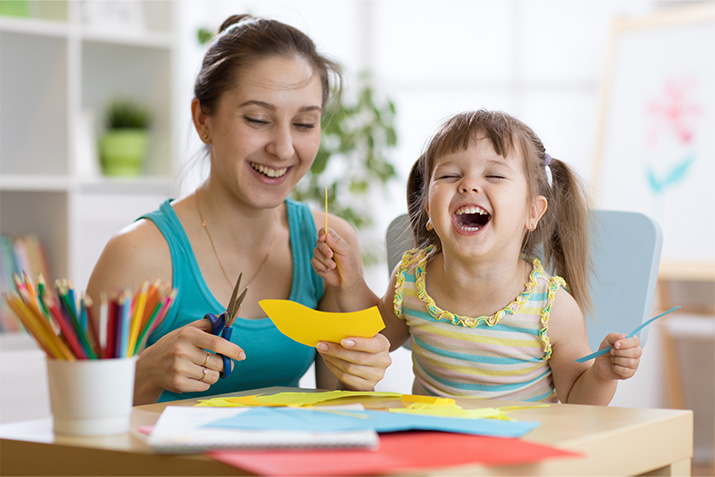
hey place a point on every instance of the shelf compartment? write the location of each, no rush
(141, 73)
(44, 214)
(33, 127)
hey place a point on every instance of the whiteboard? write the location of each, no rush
(655, 151)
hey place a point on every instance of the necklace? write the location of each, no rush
(213, 247)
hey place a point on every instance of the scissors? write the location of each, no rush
(221, 324)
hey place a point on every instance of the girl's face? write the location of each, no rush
(265, 132)
(478, 201)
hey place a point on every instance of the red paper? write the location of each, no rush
(400, 451)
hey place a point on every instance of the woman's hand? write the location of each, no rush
(179, 362)
(359, 363)
(623, 359)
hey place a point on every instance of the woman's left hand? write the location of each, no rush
(359, 363)
(623, 359)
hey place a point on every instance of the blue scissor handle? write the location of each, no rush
(218, 328)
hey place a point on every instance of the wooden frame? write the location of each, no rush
(652, 60)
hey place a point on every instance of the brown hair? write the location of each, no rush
(243, 40)
(562, 232)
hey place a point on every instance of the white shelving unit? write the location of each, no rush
(59, 68)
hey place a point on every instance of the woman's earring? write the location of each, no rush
(429, 225)
(205, 137)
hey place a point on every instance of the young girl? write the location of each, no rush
(483, 315)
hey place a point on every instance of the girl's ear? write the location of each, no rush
(536, 211)
(200, 120)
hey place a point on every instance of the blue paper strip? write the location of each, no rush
(643, 325)
(292, 419)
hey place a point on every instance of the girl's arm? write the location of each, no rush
(396, 329)
(591, 382)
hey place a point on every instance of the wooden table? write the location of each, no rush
(614, 441)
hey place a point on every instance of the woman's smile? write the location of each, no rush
(269, 172)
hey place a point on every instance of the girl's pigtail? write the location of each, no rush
(566, 249)
(416, 196)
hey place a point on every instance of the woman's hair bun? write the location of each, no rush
(233, 19)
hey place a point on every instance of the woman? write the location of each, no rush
(259, 97)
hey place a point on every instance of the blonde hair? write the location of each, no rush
(561, 237)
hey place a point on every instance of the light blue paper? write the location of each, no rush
(632, 334)
(272, 418)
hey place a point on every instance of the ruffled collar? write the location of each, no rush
(439, 314)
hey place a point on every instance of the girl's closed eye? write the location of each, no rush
(305, 125)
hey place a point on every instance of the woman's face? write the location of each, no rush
(265, 132)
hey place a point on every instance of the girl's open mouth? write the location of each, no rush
(471, 218)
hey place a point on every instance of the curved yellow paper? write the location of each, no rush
(308, 326)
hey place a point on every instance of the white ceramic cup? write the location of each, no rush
(91, 397)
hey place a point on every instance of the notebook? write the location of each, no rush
(183, 429)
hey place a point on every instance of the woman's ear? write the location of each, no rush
(200, 120)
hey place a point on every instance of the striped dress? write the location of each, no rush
(504, 356)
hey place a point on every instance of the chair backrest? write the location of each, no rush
(625, 248)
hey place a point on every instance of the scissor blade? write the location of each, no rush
(231, 308)
(233, 317)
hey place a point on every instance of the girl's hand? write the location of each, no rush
(334, 260)
(359, 363)
(177, 361)
(623, 360)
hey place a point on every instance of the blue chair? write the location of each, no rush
(625, 248)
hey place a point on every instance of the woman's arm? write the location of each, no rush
(136, 254)
(175, 362)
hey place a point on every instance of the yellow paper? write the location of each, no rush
(296, 399)
(438, 401)
(452, 410)
(237, 401)
(308, 326)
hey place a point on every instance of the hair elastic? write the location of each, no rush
(547, 169)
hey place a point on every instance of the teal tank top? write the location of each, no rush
(272, 359)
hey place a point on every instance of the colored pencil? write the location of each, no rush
(159, 314)
(91, 326)
(112, 311)
(136, 318)
(66, 327)
(102, 325)
(40, 325)
(13, 301)
(125, 325)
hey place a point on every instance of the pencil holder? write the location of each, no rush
(91, 397)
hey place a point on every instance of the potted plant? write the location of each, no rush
(123, 145)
